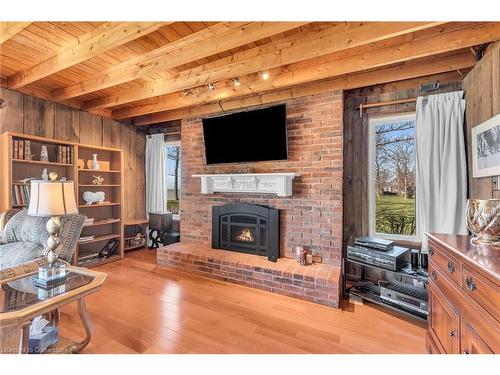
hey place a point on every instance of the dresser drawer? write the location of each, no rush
(446, 264)
(471, 342)
(443, 321)
(483, 291)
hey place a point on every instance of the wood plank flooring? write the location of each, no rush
(146, 309)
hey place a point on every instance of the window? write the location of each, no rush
(173, 176)
(391, 174)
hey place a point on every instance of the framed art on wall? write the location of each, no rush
(486, 148)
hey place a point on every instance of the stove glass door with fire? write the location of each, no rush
(245, 233)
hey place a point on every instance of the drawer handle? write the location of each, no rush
(452, 333)
(433, 275)
(471, 285)
(466, 351)
(451, 267)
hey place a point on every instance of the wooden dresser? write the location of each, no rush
(464, 296)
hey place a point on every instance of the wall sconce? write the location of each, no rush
(236, 81)
(211, 86)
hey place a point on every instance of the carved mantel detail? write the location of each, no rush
(257, 183)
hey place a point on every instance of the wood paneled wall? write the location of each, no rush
(482, 91)
(30, 115)
(356, 217)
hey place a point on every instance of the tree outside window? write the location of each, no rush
(173, 177)
(393, 176)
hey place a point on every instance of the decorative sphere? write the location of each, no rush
(53, 243)
(52, 257)
(53, 176)
(53, 225)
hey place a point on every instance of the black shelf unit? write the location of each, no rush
(370, 297)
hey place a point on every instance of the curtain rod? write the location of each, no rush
(380, 104)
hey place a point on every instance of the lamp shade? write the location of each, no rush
(52, 198)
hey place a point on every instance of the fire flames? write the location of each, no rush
(245, 235)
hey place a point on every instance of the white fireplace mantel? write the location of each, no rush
(257, 183)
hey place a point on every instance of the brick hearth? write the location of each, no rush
(318, 283)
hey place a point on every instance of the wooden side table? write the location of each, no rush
(20, 303)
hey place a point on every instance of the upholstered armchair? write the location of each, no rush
(23, 239)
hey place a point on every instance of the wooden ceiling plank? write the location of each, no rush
(407, 70)
(298, 47)
(55, 34)
(29, 38)
(100, 40)
(215, 39)
(298, 73)
(70, 28)
(9, 29)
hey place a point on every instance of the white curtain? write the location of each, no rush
(156, 173)
(441, 170)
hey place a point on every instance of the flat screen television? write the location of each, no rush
(256, 135)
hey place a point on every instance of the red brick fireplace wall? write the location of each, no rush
(313, 215)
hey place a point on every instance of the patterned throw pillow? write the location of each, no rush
(25, 228)
(4, 218)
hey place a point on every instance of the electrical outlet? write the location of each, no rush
(496, 183)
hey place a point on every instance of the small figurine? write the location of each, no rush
(98, 180)
(44, 154)
(93, 197)
(45, 174)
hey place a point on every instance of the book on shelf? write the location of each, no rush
(86, 238)
(20, 154)
(64, 154)
(15, 148)
(88, 257)
(26, 180)
(20, 195)
(88, 221)
(27, 150)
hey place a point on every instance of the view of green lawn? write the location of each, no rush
(395, 215)
(173, 206)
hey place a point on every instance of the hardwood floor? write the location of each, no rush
(146, 309)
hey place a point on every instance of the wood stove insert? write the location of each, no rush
(246, 228)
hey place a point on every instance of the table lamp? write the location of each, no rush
(52, 199)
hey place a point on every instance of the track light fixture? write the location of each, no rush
(236, 81)
(187, 92)
(264, 75)
(211, 86)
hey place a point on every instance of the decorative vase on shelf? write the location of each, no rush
(483, 220)
(44, 154)
(95, 164)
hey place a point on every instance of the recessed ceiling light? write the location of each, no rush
(264, 75)
(236, 81)
(211, 86)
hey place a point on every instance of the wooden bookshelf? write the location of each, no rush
(108, 217)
